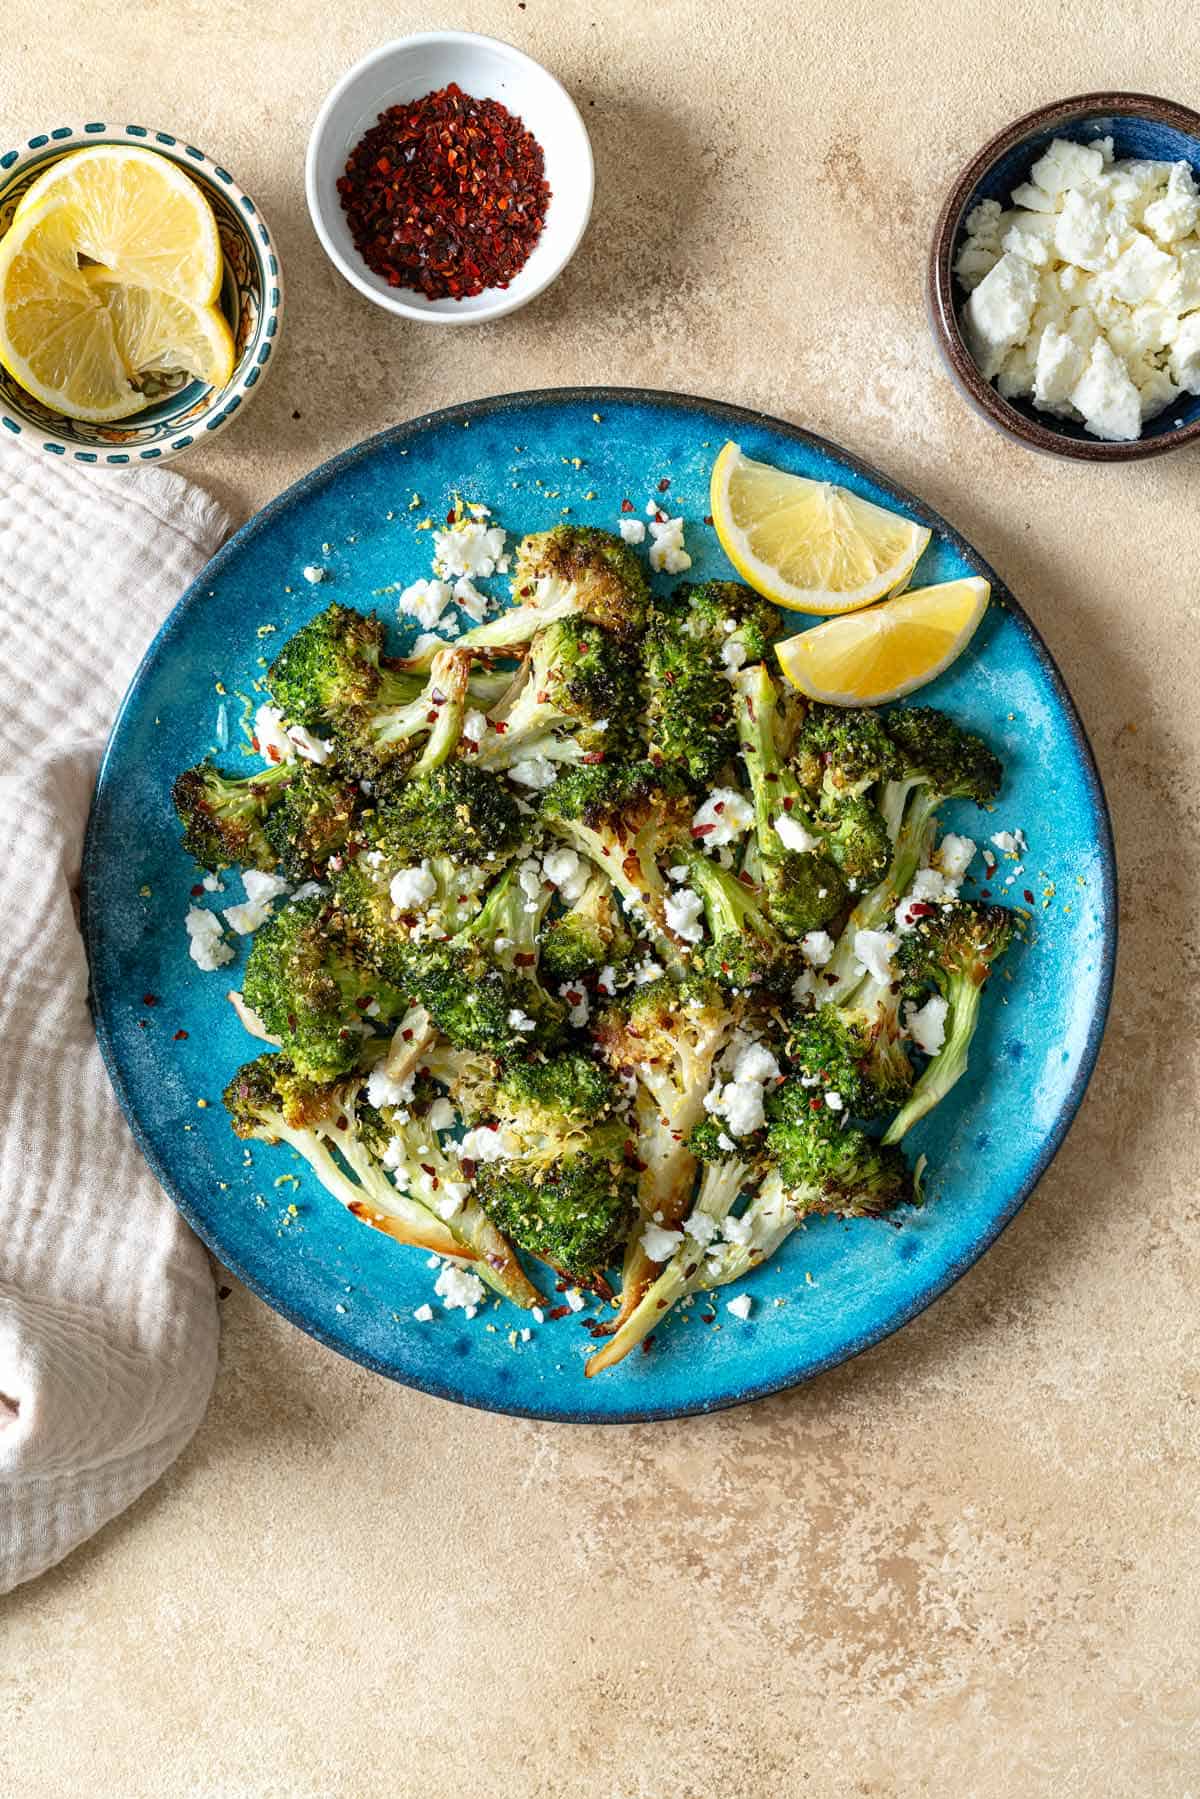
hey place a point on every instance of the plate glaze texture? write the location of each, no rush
(835, 1288)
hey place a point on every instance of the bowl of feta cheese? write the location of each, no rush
(1064, 278)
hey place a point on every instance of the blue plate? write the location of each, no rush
(835, 1288)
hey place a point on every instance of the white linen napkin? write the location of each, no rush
(108, 1320)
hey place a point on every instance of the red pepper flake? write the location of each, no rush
(446, 195)
(708, 518)
(524, 959)
(468, 1167)
(703, 830)
(1028, 896)
(591, 756)
(626, 505)
(557, 1312)
(179, 1037)
(149, 999)
(198, 891)
(426, 1169)
(406, 1033)
(499, 727)
(272, 753)
(664, 485)
(142, 1023)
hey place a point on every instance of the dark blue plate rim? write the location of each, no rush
(734, 416)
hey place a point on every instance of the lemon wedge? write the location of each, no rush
(77, 338)
(808, 545)
(889, 650)
(137, 214)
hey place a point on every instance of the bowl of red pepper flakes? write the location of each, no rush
(449, 177)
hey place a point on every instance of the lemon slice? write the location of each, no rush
(887, 651)
(78, 338)
(808, 545)
(138, 214)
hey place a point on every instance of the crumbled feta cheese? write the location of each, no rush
(955, 855)
(926, 1025)
(449, 1199)
(468, 547)
(529, 878)
(667, 552)
(816, 947)
(206, 945)
(997, 315)
(660, 1245)
(733, 655)
(606, 980)
(574, 1299)
(737, 1230)
(679, 873)
(1185, 354)
(261, 889)
(647, 971)
(313, 573)
(423, 1314)
(567, 871)
(577, 1000)
(213, 884)
(724, 817)
(458, 1288)
(873, 951)
(1012, 843)
(468, 597)
(520, 1021)
(791, 833)
(536, 772)
(411, 889)
(755, 1063)
(834, 1100)
(632, 530)
(475, 726)
(273, 741)
(740, 1307)
(685, 912)
(313, 749)
(425, 642)
(442, 1116)
(482, 1144)
(701, 1227)
(384, 1090)
(930, 887)
(425, 601)
(1176, 212)
(740, 1103)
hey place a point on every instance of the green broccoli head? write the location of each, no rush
(413, 735)
(311, 993)
(616, 798)
(855, 837)
(599, 574)
(953, 946)
(827, 1166)
(955, 763)
(554, 1097)
(840, 751)
(804, 891)
(334, 664)
(312, 821)
(224, 816)
(574, 698)
(746, 949)
(686, 709)
(833, 1053)
(573, 1214)
(457, 810)
(478, 1005)
(715, 611)
(590, 935)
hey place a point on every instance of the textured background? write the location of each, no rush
(966, 1563)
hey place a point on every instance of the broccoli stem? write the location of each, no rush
(375, 1201)
(719, 1188)
(950, 1063)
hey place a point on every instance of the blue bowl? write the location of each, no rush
(835, 1288)
(181, 412)
(1140, 126)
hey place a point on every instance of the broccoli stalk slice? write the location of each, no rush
(631, 866)
(371, 740)
(720, 1185)
(574, 680)
(950, 1063)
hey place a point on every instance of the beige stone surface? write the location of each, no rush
(966, 1563)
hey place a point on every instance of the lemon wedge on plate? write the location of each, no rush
(77, 337)
(808, 545)
(889, 650)
(137, 213)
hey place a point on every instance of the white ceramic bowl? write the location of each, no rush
(488, 70)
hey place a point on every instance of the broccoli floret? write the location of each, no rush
(311, 993)
(854, 835)
(686, 707)
(417, 735)
(841, 751)
(224, 816)
(826, 1166)
(836, 1053)
(458, 810)
(718, 611)
(377, 929)
(547, 1102)
(804, 889)
(591, 934)
(312, 821)
(334, 664)
(480, 986)
(572, 1213)
(335, 1131)
(953, 952)
(572, 571)
(746, 949)
(573, 698)
(623, 817)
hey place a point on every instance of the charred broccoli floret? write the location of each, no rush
(224, 816)
(952, 952)
(312, 821)
(718, 612)
(624, 816)
(839, 1055)
(335, 664)
(573, 698)
(377, 928)
(841, 751)
(571, 1213)
(823, 1165)
(590, 935)
(416, 735)
(457, 810)
(311, 993)
(746, 948)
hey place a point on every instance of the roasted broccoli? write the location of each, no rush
(457, 810)
(224, 816)
(724, 613)
(335, 664)
(951, 952)
(311, 993)
(746, 948)
(589, 936)
(572, 1213)
(417, 735)
(313, 820)
(841, 751)
(850, 1062)
(573, 698)
(688, 722)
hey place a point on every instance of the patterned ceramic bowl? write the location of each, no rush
(178, 412)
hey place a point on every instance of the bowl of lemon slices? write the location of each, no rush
(140, 294)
